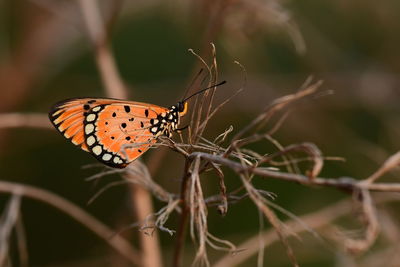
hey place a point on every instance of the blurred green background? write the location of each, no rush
(46, 56)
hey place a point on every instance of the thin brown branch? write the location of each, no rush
(345, 183)
(8, 222)
(223, 207)
(271, 217)
(115, 88)
(67, 207)
(210, 94)
(21, 242)
(371, 221)
(138, 173)
(31, 120)
(277, 105)
(261, 204)
(309, 148)
(181, 234)
(392, 162)
(149, 243)
(105, 61)
(198, 216)
(314, 220)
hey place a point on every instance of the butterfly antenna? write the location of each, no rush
(205, 89)
(192, 82)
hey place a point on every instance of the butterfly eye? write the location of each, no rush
(182, 108)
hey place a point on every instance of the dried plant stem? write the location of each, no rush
(21, 240)
(101, 230)
(181, 234)
(372, 225)
(392, 162)
(32, 120)
(272, 218)
(277, 105)
(143, 208)
(345, 183)
(314, 220)
(115, 88)
(104, 58)
(7, 223)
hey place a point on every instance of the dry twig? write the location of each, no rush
(118, 243)
(315, 220)
(115, 88)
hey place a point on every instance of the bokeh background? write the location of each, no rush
(46, 55)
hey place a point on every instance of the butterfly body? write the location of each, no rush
(115, 132)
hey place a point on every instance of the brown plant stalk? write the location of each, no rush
(115, 88)
(81, 216)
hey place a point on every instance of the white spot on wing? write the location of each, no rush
(95, 109)
(106, 157)
(117, 160)
(90, 140)
(97, 150)
(89, 128)
(90, 117)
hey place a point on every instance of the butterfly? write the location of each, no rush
(116, 132)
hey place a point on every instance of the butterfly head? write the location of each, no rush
(182, 108)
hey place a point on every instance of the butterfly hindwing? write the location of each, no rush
(68, 117)
(118, 133)
(115, 132)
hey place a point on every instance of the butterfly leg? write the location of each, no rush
(179, 130)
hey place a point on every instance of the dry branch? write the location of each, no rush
(246, 163)
(115, 88)
(31, 120)
(101, 230)
(201, 156)
(315, 220)
(240, 160)
(7, 223)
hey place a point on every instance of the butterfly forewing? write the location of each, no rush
(115, 132)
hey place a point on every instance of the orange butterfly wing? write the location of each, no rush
(115, 132)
